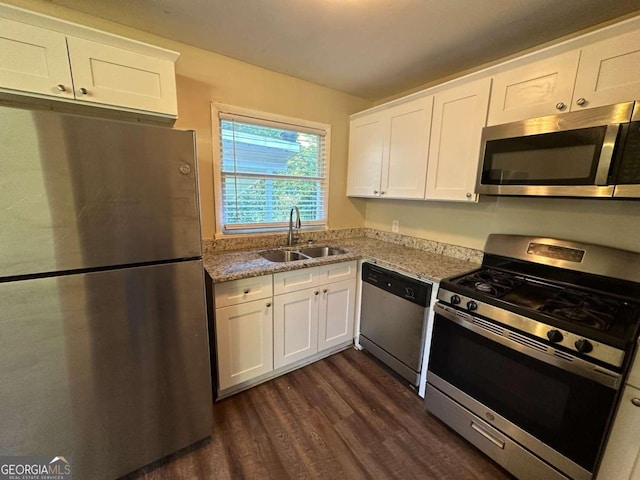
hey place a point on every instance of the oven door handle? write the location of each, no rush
(606, 154)
(488, 435)
(530, 347)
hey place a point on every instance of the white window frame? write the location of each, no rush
(285, 121)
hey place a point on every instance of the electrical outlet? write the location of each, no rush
(395, 226)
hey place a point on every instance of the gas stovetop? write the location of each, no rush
(552, 293)
(596, 315)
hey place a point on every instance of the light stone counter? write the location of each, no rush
(425, 259)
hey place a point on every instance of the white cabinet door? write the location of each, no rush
(534, 90)
(244, 342)
(366, 146)
(113, 76)
(621, 459)
(33, 59)
(458, 117)
(404, 172)
(337, 307)
(295, 326)
(609, 72)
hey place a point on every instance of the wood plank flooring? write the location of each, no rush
(344, 417)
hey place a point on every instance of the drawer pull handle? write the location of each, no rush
(246, 290)
(636, 401)
(84, 91)
(488, 435)
(268, 305)
(316, 292)
(325, 290)
(61, 88)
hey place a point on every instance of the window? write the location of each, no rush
(267, 165)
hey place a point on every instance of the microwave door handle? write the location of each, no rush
(606, 154)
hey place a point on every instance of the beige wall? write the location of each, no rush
(203, 77)
(607, 222)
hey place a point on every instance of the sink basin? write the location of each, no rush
(315, 252)
(302, 254)
(283, 256)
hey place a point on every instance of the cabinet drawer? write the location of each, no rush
(294, 280)
(243, 290)
(336, 272)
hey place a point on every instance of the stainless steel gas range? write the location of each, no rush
(529, 352)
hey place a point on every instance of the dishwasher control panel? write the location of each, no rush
(400, 285)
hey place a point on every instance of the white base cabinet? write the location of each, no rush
(336, 314)
(243, 329)
(267, 325)
(244, 342)
(295, 326)
(309, 320)
(621, 460)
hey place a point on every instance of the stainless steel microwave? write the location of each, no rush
(590, 153)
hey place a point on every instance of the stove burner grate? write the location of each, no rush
(584, 308)
(489, 282)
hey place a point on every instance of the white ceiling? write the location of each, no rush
(369, 48)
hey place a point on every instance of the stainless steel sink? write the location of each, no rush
(283, 256)
(315, 252)
(302, 254)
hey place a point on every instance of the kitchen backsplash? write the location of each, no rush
(328, 236)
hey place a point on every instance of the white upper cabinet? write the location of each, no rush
(101, 69)
(113, 76)
(34, 59)
(609, 72)
(598, 74)
(404, 173)
(459, 114)
(366, 149)
(534, 90)
(388, 151)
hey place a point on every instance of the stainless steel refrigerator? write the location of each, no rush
(103, 337)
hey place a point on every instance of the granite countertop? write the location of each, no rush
(226, 266)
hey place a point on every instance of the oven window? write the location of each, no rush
(567, 412)
(559, 158)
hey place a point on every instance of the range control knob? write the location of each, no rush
(471, 305)
(455, 300)
(554, 336)
(583, 346)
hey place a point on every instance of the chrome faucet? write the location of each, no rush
(298, 225)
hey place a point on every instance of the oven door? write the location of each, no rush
(558, 414)
(560, 155)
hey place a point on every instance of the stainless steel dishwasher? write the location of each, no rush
(393, 319)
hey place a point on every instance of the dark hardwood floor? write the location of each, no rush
(344, 417)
